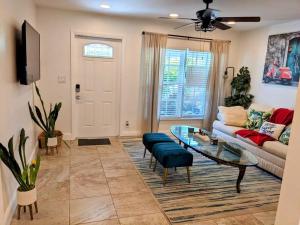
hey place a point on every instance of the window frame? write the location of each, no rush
(182, 92)
(97, 57)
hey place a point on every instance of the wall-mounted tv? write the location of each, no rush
(30, 71)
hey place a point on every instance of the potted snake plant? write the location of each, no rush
(25, 174)
(49, 137)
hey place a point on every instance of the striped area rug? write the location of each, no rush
(211, 194)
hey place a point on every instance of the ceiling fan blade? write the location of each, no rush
(180, 18)
(220, 25)
(185, 25)
(239, 19)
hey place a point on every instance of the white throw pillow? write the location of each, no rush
(272, 129)
(233, 116)
(219, 116)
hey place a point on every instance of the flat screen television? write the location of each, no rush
(30, 61)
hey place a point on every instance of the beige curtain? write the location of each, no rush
(153, 51)
(217, 85)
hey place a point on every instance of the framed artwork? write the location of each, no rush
(282, 65)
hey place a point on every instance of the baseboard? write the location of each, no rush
(139, 134)
(68, 137)
(133, 133)
(8, 215)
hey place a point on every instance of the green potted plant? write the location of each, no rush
(240, 87)
(49, 137)
(25, 174)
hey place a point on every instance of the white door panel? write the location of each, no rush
(89, 75)
(97, 109)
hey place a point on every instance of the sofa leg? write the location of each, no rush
(188, 173)
(165, 176)
(145, 152)
(151, 158)
(155, 163)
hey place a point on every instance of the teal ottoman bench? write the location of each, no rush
(171, 155)
(150, 139)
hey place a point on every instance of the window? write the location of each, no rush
(98, 51)
(184, 84)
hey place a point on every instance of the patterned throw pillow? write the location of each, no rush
(256, 119)
(272, 129)
(285, 136)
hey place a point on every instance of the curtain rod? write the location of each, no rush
(186, 37)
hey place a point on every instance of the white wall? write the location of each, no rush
(55, 27)
(253, 48)
(289, 203)
(14, 113)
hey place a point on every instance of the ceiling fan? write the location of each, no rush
(208, 20)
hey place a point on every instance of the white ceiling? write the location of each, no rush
(271, 11)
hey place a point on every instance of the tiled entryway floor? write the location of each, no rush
(101, 186)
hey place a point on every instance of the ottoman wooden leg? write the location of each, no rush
(155, 163)
(145, 152)
(151, 160)
(188, 173)
(24, 208)
(165, 176)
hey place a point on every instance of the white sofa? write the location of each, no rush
(271, 156)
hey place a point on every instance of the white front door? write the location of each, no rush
(96, 71)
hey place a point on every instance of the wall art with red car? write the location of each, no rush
(282, 64)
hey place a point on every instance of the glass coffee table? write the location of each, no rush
(224, 153)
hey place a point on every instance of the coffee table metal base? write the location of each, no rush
(240, 178)
(242, 168)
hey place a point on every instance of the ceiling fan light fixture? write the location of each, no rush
(205, 28)
(231, 22)
(173, 15)
(105, 6)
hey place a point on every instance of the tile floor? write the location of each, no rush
(100, 186)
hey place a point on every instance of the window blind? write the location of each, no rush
(184, 83)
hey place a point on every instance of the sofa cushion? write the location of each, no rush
(219, 116)
(276, 148)
(285, 136)
(230, 130)
(260, 108)
(256, 119)
(272, 129)
(233, 116)
(246, 140)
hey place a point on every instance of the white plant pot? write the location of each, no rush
(26, 197)
(52, 142)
